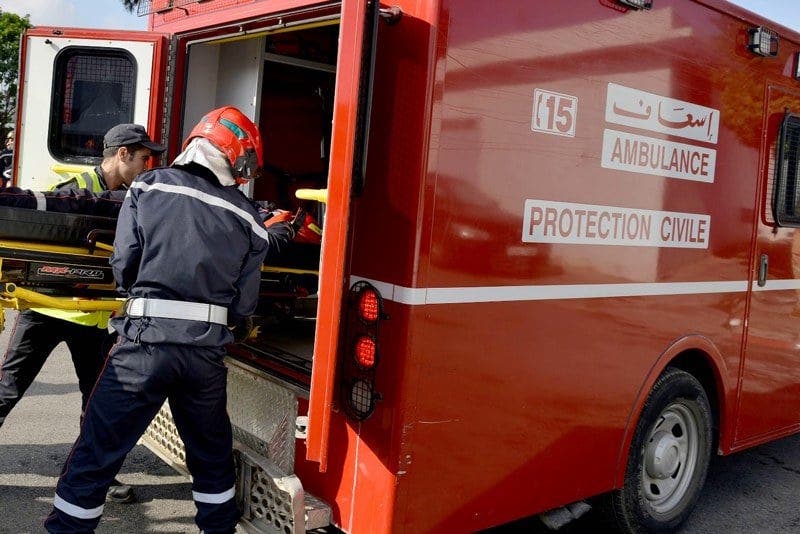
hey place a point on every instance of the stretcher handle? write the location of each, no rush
(9, 290)
(91, 238)
(67, 168)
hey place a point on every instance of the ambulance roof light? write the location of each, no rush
(637, 4)
(763, 41)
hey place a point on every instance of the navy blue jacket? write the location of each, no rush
(183, 236)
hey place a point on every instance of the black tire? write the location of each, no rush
(668, 459)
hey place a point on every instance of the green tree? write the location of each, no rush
(11, 28)
(130, 5)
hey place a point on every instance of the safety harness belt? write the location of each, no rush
(176, 309)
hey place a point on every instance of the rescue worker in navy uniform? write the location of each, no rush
(36, 332)
(188, 251)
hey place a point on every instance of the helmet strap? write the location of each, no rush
(246, 165)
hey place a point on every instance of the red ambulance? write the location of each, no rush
(560, 256)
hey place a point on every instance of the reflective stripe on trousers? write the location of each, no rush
(77, 511)
(214, 498)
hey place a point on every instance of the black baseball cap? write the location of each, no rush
(131, 134)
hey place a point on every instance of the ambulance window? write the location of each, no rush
(787, 180)
(93, 90)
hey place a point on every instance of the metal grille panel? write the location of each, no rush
(791, 166)
(271, 501)
(162, 438)
(112, 71)
(786, 202)
(97, 89)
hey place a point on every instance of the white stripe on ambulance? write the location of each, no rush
(421, 296)
(546, 221)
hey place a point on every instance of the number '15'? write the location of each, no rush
(559, 116)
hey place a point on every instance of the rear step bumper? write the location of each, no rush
(272, 502)
(263, 415)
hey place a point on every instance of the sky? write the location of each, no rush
(86, 13)
(77, 13)
(786, 12)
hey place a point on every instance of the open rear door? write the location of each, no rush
(350, 119)
(75, 84)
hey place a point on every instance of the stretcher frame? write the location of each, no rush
(57, 287)
(19, 292)
(74, 296)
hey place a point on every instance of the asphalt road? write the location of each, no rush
(756, 491)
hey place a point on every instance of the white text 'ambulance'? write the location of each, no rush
(646, 155)
(547, 221)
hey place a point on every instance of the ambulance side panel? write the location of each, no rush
(562, 264)
(539, 268)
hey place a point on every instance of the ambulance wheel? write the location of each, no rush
(669, 457)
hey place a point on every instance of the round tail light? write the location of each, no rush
(365, 352)
(368, 306)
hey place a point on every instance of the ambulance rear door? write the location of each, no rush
(351, 111)
(75, 84)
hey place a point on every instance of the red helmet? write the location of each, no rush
(235, 135)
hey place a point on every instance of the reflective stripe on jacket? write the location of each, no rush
(86, 180)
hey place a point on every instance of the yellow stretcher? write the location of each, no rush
(44, 275)
(40, 275)
(37, 274)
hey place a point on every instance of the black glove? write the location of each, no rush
(241, 330)
(296, 222)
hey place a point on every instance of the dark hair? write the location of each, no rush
(110, 151)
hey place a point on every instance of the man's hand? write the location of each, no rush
(297, 222)
(291, 224)
(241, 330)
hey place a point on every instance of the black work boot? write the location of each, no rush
(119, 492)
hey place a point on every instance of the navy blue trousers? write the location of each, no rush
(33, 339)
(133, 386)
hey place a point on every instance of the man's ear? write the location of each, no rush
(123, 153)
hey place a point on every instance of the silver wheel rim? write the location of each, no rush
(670, 457)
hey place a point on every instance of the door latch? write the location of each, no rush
(763, 267)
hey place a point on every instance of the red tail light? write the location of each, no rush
(368, 305)
(365, 312)
(366, 352)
